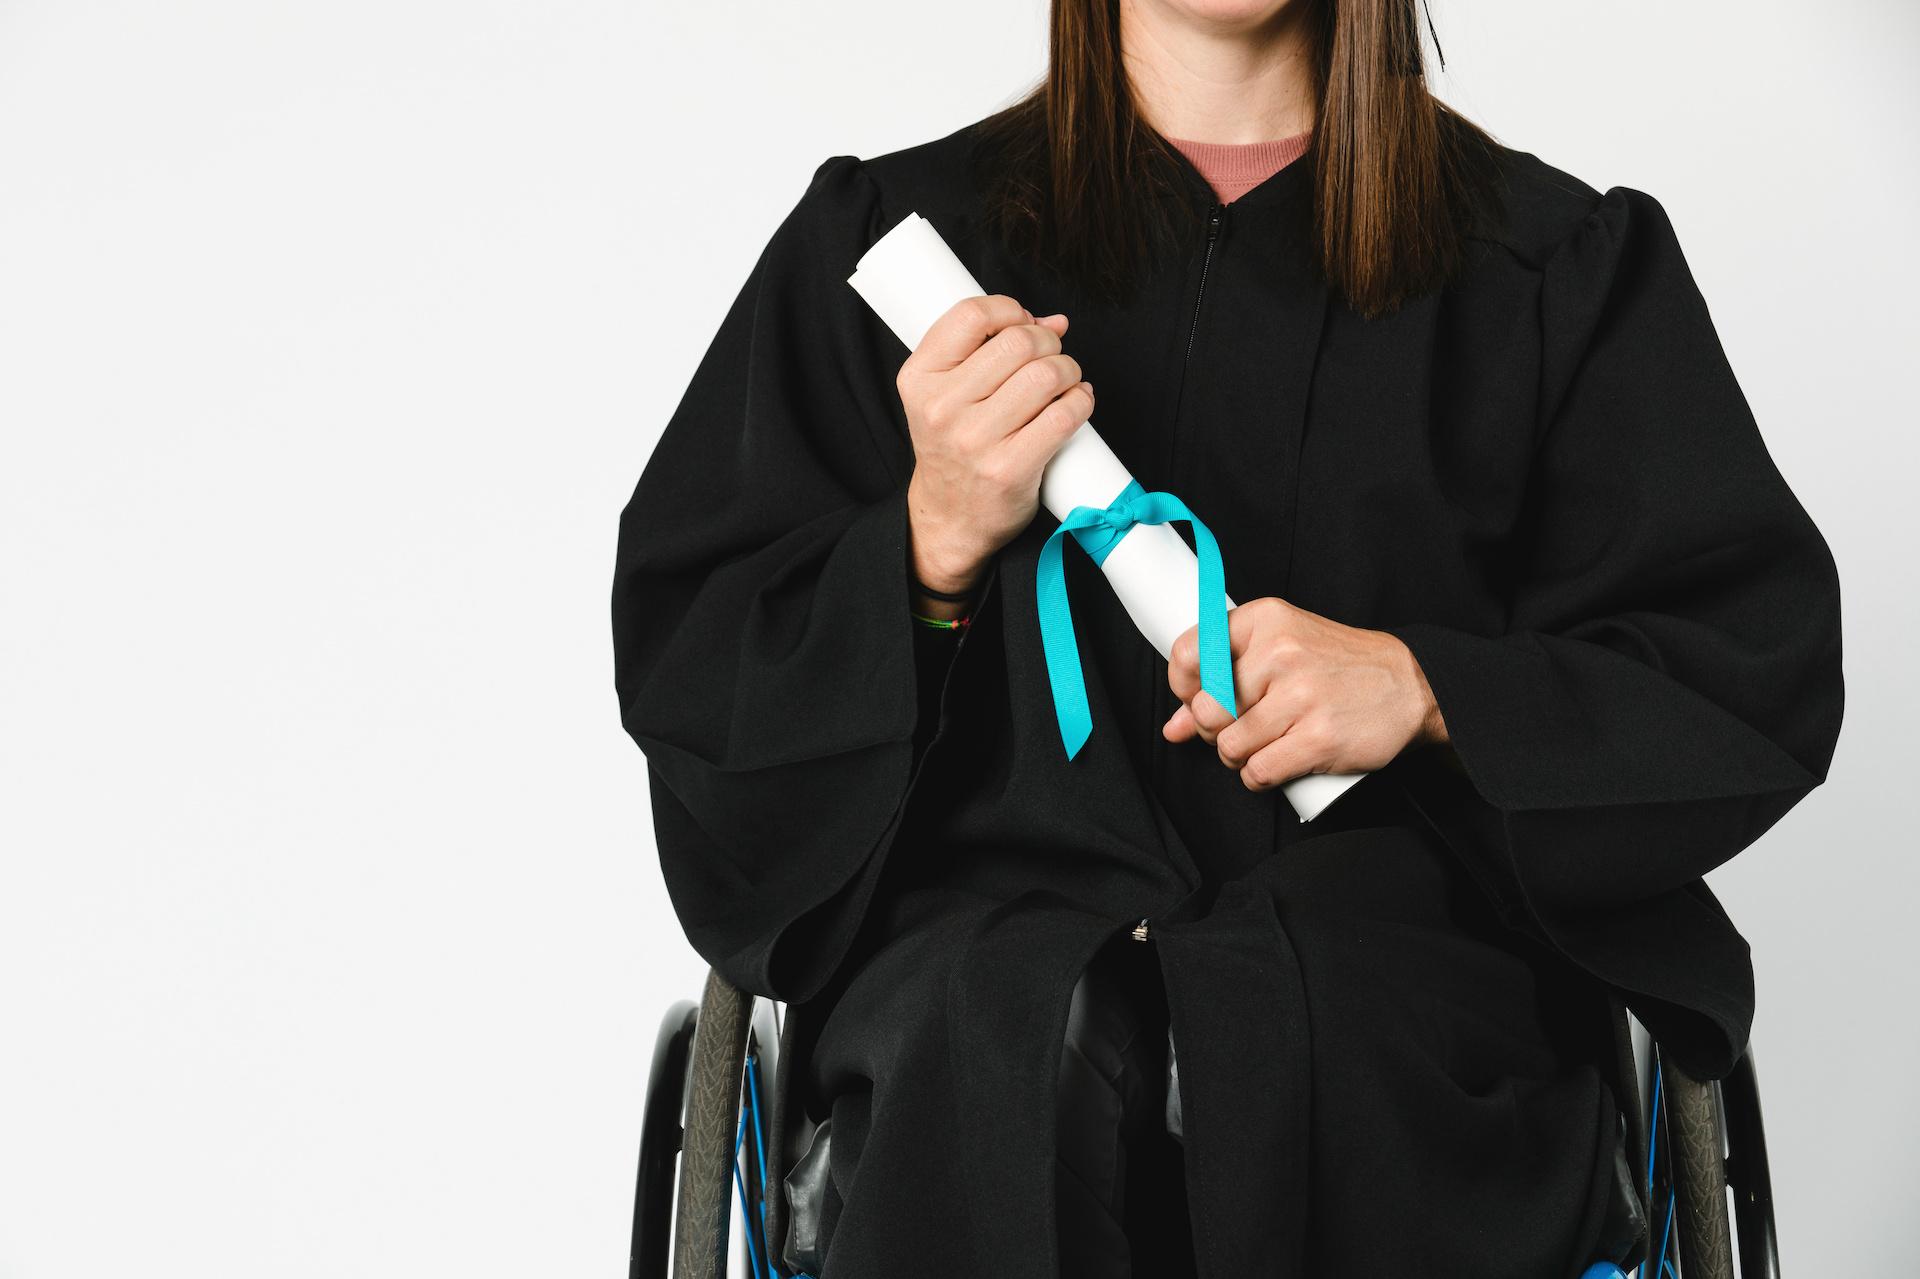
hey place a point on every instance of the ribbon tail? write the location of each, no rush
(1216, 647)
(1061, 646)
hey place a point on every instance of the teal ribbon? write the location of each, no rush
(1098, 530)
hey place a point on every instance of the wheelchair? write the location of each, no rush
(713, 1137)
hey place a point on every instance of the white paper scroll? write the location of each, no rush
(910, 278)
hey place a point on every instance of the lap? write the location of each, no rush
(1452, 1059)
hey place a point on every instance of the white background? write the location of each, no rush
(332, 339)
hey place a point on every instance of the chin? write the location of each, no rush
(1232, 13)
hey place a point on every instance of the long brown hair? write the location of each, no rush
(1399, 178)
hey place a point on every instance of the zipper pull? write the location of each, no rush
(1140, 929)
(1216, 218)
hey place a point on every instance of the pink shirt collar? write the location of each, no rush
(1234, 168)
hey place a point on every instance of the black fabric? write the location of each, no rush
(1390, 1021)
(933, 654)
(1120, 1198)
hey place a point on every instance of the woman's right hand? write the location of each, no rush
(990, 397)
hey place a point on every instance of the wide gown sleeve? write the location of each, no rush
(1670, 681)
(765, 657)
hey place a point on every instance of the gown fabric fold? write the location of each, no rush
(1391, 1020)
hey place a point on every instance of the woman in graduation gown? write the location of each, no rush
(1504, 534)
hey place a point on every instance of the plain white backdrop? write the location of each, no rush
(332, 339)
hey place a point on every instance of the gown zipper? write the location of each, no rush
(1216, 223)
(1216, 215)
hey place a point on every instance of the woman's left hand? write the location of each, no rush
(1315, 696)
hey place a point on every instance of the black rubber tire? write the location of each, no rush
(713, 1116)
(1700, 1174)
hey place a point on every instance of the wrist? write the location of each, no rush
(1430, 727)
(955, 575)
(1432, 730)
(939, 561)
(927, 573)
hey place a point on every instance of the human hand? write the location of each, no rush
(1315, 696)
(990, 398)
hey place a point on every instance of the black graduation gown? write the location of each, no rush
(1543, 478)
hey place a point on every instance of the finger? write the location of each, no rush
(1183, 664)
(1030, 448)
(1030, 388)
(1003, 355)
(1179, 726)
(1264, 721)
(1288, 756)
(1209, 716)
(962, 328)
(1250, 675)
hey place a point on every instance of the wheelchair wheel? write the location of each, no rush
(705, 1132)
(1707, 1139)
(660, 1142)
(713, 1114)
(1748, 1173)
(1700, 1182)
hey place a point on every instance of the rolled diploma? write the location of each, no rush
(910, 277)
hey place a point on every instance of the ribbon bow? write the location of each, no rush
(1098, 530)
